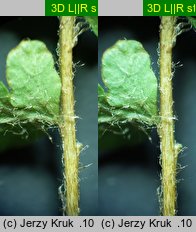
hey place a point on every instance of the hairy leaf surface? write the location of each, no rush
(130, 93)
(34, 95)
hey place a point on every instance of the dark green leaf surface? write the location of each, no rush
(6, 109)
(93, 21)
(130, 86)
(192, 21)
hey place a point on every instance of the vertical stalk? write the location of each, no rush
(67, 124)
(169, 149)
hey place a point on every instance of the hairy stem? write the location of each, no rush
(67, 124)
(169, 149)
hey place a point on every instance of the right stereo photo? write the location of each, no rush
(146, 116)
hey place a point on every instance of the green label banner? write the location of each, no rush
(71, 7)
(169, 7)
